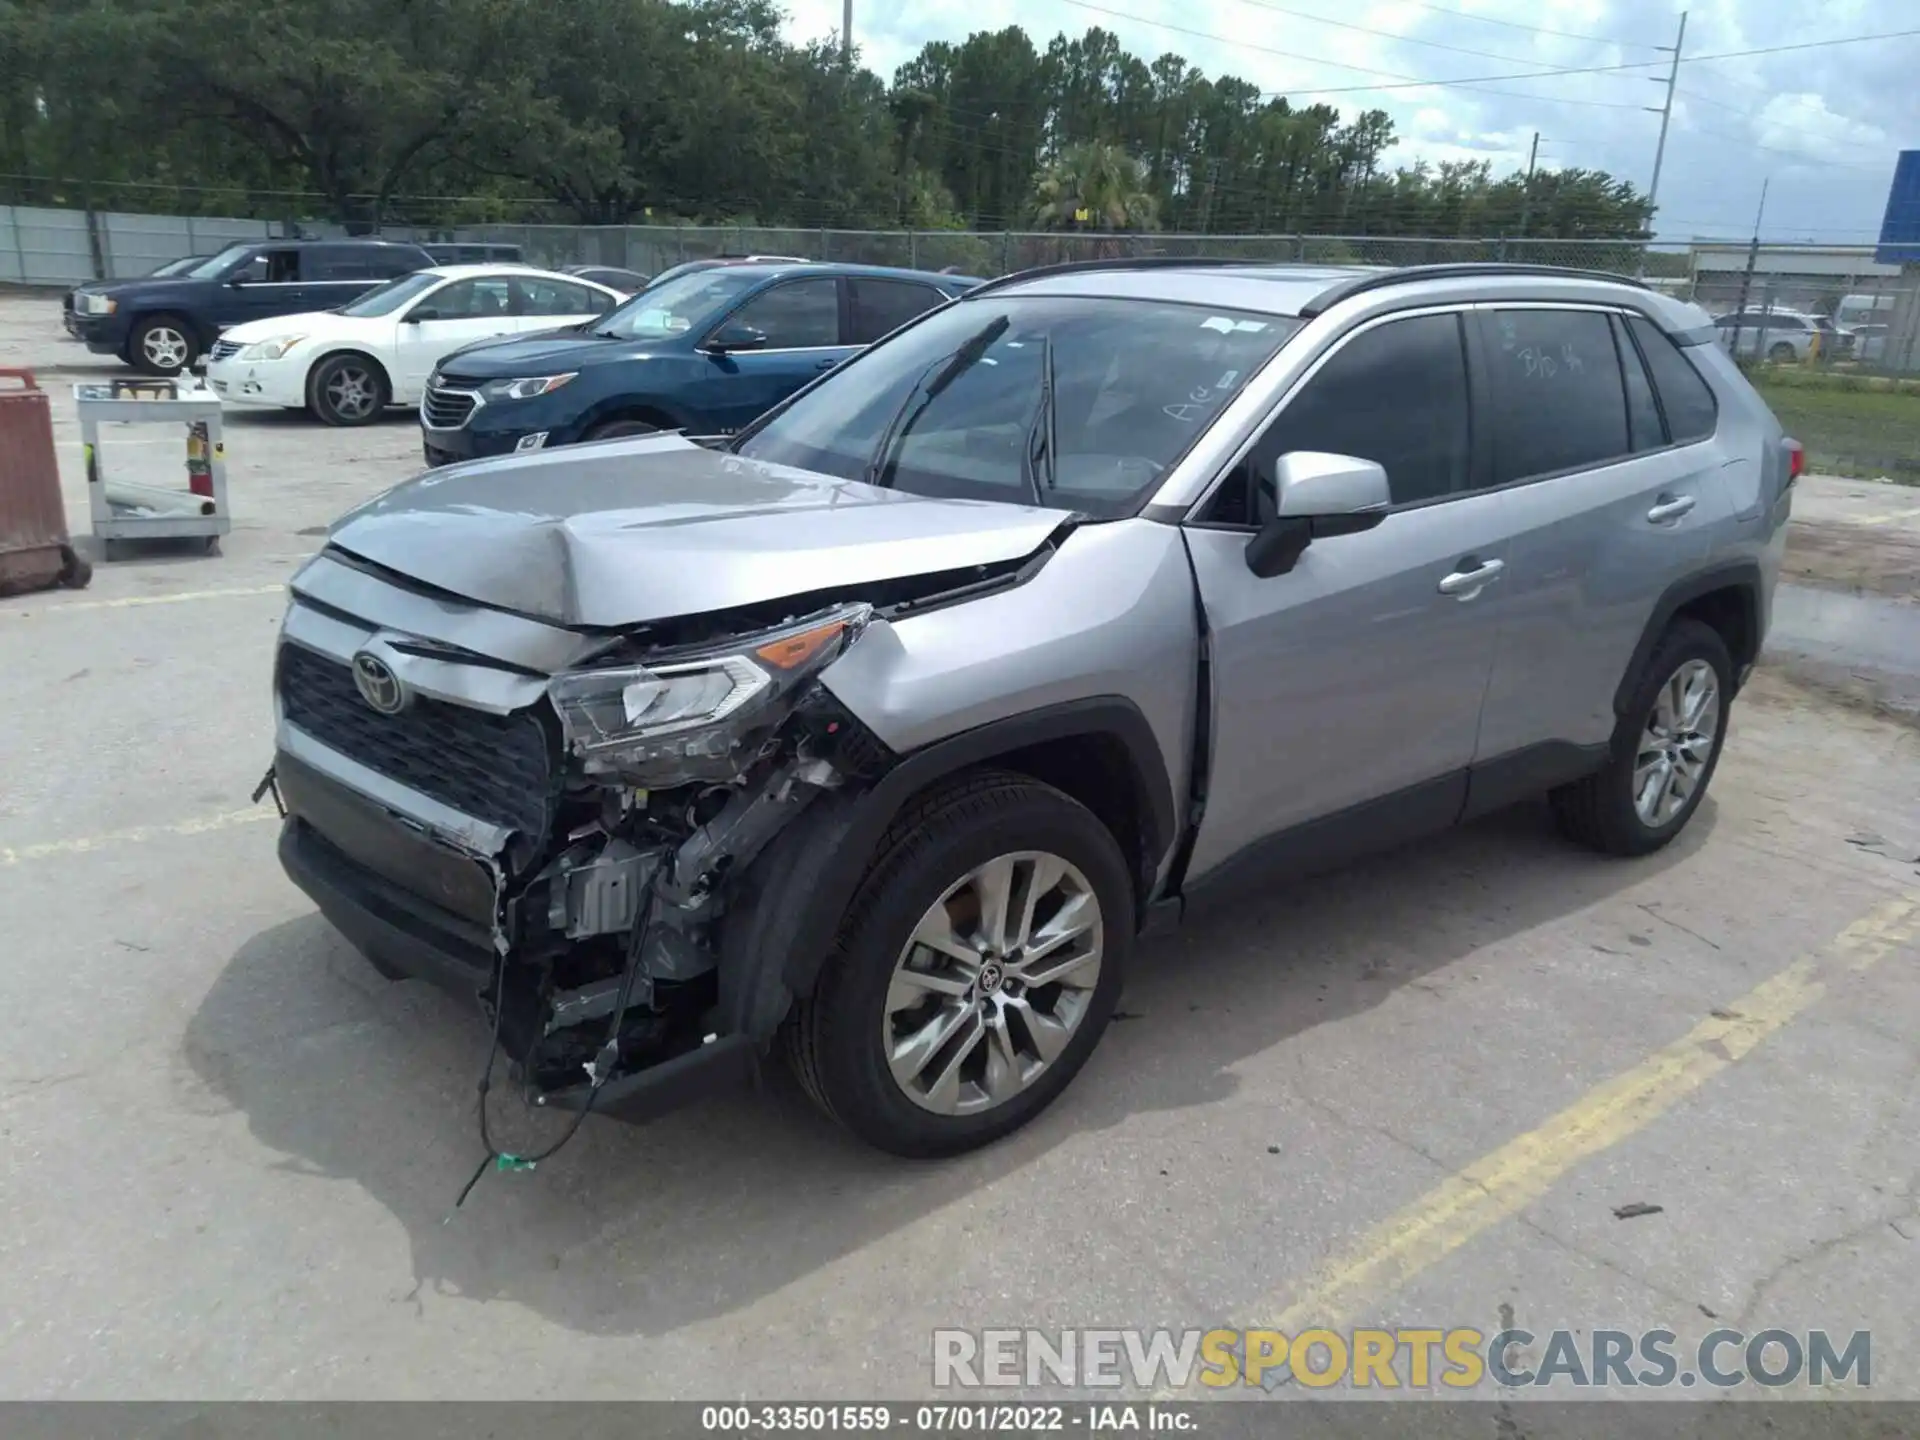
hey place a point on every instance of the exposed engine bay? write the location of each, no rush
(679, 773)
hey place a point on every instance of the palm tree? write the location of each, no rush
(1095, 186)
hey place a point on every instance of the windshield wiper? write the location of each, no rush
(1040, 434)
(879, 469)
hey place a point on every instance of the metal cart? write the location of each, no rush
(124, 510)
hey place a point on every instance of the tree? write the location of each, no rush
(1095, 187)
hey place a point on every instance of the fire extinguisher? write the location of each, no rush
(199, 470)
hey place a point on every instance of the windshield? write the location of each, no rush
(387, 298)
(215, 265)
(674, 307)
(1132, 384)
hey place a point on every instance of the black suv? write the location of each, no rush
(161, 324)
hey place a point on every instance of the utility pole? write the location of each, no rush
(1746, 278)
(846, 31)
(1665, 112)
(1526, 192)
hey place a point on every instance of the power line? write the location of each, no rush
(1468, 82)
(1411, 82)
(1391, 35)
(1516, 25)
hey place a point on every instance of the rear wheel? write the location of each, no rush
(1664, 749)
(1782, 352)
(347, 390)
(977, 967)
(162, 345)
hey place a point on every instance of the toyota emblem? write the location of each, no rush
(378, 685)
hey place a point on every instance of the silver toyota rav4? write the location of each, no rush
(882, 730)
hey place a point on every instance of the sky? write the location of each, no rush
(1823, 126)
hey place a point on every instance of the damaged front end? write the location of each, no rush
(680, 766)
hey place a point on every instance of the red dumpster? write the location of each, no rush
(34, 549)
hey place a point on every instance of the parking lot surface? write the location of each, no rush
(1414, 1093)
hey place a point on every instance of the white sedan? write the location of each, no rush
(346, 366)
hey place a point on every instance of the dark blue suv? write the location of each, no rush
(704, 353)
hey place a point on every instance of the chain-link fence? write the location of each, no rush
(1828, 335)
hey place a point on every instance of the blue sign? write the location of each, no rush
(1900, 229)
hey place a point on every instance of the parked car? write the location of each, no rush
(882, 730)
(162, 325)
(628, 282)
(712, 262)
(704, 353)
(346, 366)
(1781, 335)
(1870, 342)
(469, 252)
(69, 302)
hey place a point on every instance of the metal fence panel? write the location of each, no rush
(13, 260)
(52, 246)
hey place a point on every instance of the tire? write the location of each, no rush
(1782, 353)
(1600, 811)
(837, 1039)
(76, 571)
(162, 345)
(348, 390)
(616, 429)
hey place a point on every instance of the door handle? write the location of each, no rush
(1467, 583)
(825, 364)
(1669, 507)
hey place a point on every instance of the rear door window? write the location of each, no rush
(882, 306)
(556, 297)
(1558, 400)
(1685, 398)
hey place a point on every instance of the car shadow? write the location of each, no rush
(646, 1229)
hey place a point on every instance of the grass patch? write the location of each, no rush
(1849, 424)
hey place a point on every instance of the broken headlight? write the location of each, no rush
(687, 716)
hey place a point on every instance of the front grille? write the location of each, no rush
(493, 767)
(224, 349)
(446, 409)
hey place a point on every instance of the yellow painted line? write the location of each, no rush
(1892, 519)
(129, 601)
(86, 845)
(1504, 1182)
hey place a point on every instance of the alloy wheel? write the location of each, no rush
(993, 983)
(164, 347)
(1676, 743)
(350, 393)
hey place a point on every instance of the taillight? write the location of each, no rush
(1796, 460)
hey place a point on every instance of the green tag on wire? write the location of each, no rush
(512, 1162)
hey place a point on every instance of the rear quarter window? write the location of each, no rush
(1685, 398)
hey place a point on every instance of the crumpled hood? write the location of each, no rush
(619, 533)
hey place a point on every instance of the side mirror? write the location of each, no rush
(1317, 496)
(419, 313)
(734, 336)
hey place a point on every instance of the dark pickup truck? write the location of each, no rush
(161, 324)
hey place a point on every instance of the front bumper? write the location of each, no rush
(259, 382)
(496, 428)
(102, 334)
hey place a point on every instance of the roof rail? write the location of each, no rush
(1121, 262)
(1459, 270)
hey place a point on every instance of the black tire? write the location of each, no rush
(162, 345)
(76, 571)
(1782, 353)
(616, 429)
(834, 1040)
(348, 390)
(1598, 811)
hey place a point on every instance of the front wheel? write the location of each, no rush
(347, 390)
(162, 346)
(620, 429)
(976, 969)
(1664, 749)
(1782, 353)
